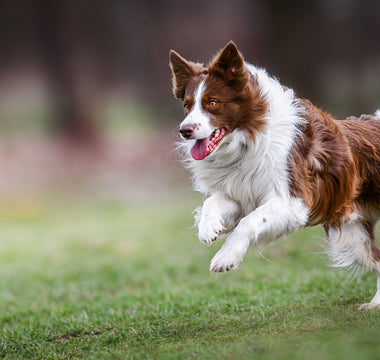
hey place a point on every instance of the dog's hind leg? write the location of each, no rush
(375, 302)
(352, 245)
(375, 266)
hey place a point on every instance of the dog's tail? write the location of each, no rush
(377, 113)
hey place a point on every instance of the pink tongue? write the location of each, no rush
(199, 150)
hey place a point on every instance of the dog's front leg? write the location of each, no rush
(273, 219)
(218, 214)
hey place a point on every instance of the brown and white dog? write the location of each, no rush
(271, 163)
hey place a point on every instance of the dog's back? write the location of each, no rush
(363, 136)
(334, 165)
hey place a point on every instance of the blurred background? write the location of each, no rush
(85, 91)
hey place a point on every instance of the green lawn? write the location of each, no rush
(100, 280)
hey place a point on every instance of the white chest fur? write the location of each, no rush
(251, 171)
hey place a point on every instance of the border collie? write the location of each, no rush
(270, 163)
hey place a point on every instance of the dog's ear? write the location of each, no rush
(182, 72)
(229, 64)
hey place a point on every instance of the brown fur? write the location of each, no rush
(363, 136)
(239, 101)
(183, 72)
(374, 250)
(335, 165)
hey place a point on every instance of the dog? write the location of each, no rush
(270, 163)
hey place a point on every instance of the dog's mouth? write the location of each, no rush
(205, 147)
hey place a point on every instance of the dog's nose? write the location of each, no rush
(187, 131)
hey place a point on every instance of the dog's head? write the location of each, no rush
(217, 99)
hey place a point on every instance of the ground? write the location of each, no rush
(97, 271)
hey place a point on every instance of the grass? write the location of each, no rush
(100, 280)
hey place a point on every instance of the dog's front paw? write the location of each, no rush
(230, 255)
(225, 261)
(209, 230)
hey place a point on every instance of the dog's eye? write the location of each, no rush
(186, 107)
(212, 103)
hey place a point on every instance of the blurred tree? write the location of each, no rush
(70, 63)
(322, 48)
(85, 48)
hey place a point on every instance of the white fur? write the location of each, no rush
(247, 181)
(375, 302)
(377, 114)
(218, 215)
(273, 219)
(348, 246)
(248, 171)
(197, 118)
